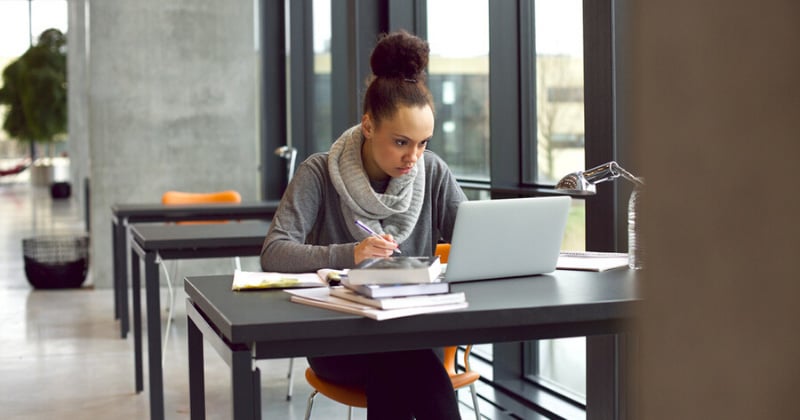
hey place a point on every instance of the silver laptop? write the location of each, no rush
(506, 238)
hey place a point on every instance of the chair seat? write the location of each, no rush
(355, 396)
(463, 379)
(348, 395)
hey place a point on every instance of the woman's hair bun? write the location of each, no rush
(401, 55)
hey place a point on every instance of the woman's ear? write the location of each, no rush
(366, 126)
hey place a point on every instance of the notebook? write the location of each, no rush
(506, 238)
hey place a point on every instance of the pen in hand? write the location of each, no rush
(367, 229)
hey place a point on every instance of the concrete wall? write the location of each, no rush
(165, 96)
(716, 103)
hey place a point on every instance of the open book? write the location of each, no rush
(247, 280)
(321, 298)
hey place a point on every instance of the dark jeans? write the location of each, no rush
(399, 385)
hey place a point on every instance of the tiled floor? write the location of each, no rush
(60, 352)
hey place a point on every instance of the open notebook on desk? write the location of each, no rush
(591, 261)
(254, 280)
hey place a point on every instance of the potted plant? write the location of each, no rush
(35, 93)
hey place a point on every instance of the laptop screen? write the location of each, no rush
(506, 238)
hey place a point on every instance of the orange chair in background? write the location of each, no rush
(180, 197)
(226, 196)
(357, 397)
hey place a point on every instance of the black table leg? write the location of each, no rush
(245, 383)
(115, 252)
(120, 251)
(153, 306)
(197, 399)
(136, 284)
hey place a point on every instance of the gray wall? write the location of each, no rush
(716, 103)
(163, 95)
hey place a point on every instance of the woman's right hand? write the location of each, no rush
(374, 247)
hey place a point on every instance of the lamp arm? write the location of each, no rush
(583, 182)
(625, 174)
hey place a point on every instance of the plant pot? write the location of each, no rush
(56, 262)
(42, 173)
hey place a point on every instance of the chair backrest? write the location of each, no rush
(443, 251)
(181, 197)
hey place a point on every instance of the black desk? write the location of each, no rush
(243, 326)
(123, 215)
(177, 242)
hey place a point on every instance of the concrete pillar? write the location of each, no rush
(170, 91)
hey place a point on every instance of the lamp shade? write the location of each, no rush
(576, 183)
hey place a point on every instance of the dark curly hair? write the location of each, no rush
(398, 65)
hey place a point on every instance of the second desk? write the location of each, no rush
(150, 242)
(123, 216)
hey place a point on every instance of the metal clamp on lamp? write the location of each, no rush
(582, 183)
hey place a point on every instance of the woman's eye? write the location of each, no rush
(400, 142)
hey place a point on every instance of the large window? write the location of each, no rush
(560, 150)
(458, 34)
(323, 135)
(559, 88)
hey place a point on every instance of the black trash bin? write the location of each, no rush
(56, 262)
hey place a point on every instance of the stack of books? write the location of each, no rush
(387, 288)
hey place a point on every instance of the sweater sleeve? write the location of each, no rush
(285, 248)
(447, 195)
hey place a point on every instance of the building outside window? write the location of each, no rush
(458, 34)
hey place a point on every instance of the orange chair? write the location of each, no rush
(226, 196)
(356, 397)
(180, 197)
(443, 251)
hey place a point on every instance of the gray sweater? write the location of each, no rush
(308, 231)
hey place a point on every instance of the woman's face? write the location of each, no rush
(392, 148)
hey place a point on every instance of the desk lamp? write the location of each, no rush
(582, 183)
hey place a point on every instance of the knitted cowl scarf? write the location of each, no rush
(394, 212)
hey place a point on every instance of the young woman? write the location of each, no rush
(378, 172)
